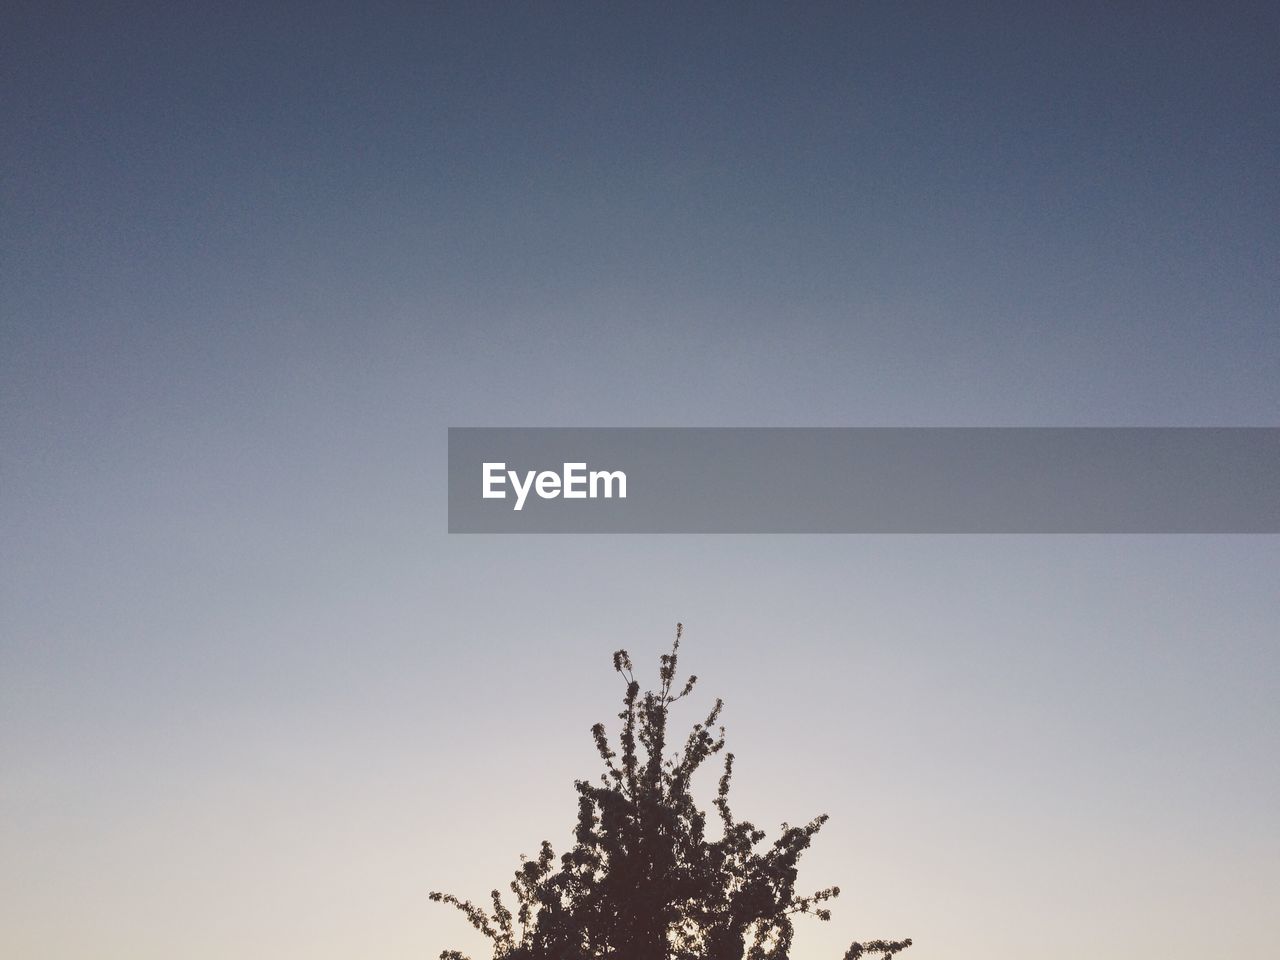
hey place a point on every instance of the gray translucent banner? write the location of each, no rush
(865, 480)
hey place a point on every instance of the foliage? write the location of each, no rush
(643, 880)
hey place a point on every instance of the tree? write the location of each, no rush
(643, 880)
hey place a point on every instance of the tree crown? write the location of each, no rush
(643, 880)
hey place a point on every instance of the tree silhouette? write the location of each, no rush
(643, 880)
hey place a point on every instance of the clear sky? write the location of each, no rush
(254, 702)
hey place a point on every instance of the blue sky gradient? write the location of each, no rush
(255, 259)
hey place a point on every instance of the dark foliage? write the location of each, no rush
(643, 880)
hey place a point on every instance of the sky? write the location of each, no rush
(254, 260)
